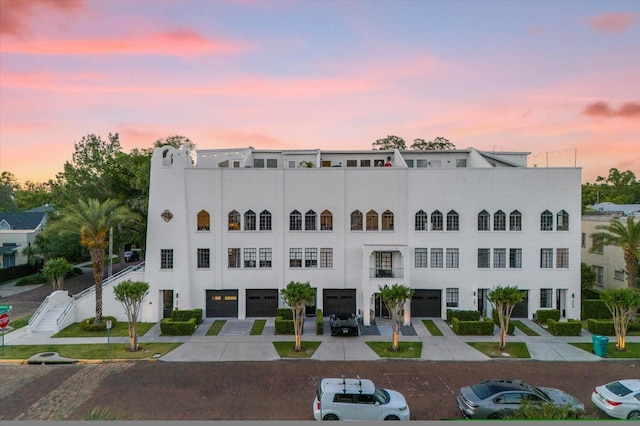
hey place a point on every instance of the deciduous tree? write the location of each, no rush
(388, 143)
(503, 300)
(395, 298)
(55, 270)
(623, 304)
(436, 144)
(131, 294)
(297, 295)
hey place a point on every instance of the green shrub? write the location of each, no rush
(569, 328)
(169, 327)
(184, 315)
(530, 410)
(285, 313)
(510, 329)
(285, 326)
(543, 315)
(32, 279)
(462, 315)
(471, 328)
(319, 323)
(89, 325)
(595, 309)
(601, 327)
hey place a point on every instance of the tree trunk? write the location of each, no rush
(97, 257)
(133, 335)
(632, 269)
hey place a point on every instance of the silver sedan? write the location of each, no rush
(620, 399)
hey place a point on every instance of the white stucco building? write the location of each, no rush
(229, 228)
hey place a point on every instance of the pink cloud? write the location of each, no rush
(612, 23)
(602, 109)
(14, 15)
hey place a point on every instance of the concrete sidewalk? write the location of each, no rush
(234, 343)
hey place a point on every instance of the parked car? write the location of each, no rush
(131, 256)
(620, 399)
(344, 324)
(357, 399)
(495, 399)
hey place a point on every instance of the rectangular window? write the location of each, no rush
(203, 258)
(166, 259)
(365, 163)
(249, 258)
(409, 163)
(583, 241)
(311, 258)
(265, 257)
(618, 274)
(546, 298)
(352, 163)
(292, 164)
(599, 270)
(515, 258)
(562, 258)
(435, 164)
(500, 258)
(483, 257)
(453, 258)
(452, 297)
(421, 260)
(295, 258)
(234, 258)
(461, 162)
(422, 163)
(258, 163)
(437, 258)
(546, 258)
(326, 258)
(272, 163)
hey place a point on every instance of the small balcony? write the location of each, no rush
(386, 273)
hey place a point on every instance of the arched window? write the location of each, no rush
(295, 221)
(326, 221)
(453, 221)
(234, 221)
(562, 221)
(546, 221)
(515, 221)
(310, 219)
(436, 221)
(387, 220)
(203, 221)
(499, 221)
(265, 221)
(249, 220)
(356, 220)
(483, 220)
(372, 220)
(422, 221)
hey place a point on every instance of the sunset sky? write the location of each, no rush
(559, 79)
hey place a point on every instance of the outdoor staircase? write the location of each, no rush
(49, 321)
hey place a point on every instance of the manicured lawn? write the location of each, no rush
(216, 327)
(513, 349)
(405, 349)
(432, 327)
(258, 327)
(90, 351)
(524, 328)
(286, 349)
(121, 329)
(632, 350)
(20, 322)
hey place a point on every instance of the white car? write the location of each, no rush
(357, 399)
(620, 399)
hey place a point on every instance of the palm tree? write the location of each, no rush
(92, 220)
(627, 237)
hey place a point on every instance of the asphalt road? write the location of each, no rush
(278, 390)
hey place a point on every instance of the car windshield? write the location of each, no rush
(618, 388)
(382, 396)
(540, 393)
(483, 391)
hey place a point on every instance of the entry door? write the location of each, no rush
(482, 301)
(560, 302)
(167, 303)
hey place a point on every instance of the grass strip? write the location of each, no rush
(258, 327)
(90, 351)
(215, 328)
(524, 328)
(513, 349)
(121, 329)
(286, 349)
(432, 327)
(632, 349)
(405, 349)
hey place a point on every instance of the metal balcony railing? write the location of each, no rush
(386, 273)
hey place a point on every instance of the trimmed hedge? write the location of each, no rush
(510, 329)
(595, 309)
(186, 314)
(285, 326)
(569, 328)
(319, 322)
(285, 313)
(170, 327)
(462, 315)
(89, 325)
(470, 328)
(544, 315)
(601, 327)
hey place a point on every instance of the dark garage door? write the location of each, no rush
(426, 303)
(222, 303)
(262, 302)
(521, 310)
(337, 301)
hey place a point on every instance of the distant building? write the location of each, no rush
(229, 228)
(613, 209)
(17, 231)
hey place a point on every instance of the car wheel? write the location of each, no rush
(634, 415)
(391, 418)
(495, 416)
(330, 417)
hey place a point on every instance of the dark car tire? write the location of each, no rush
(634, 415)
(391, 418)
(330, 417)
(495, 416)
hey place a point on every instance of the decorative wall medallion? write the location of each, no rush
(166, 215)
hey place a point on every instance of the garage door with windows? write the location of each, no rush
(262, 302)
(222, 303)
(336, 301)
(426, 303)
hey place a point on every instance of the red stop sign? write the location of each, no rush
(4, 320)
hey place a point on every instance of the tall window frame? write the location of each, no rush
(326, 221)
(233, 255)
(452, 297)
(562, 258)
(311, 257)
(562, 221)
(265, 220)
(453, 258)
(356, 220)
(546, 258)
(421, 259)
(250, 258)
(483, 220)
(437, 258)
(499, 258)
(546, 221)
(387, 220)
(310, 221)
(203, 256)
(437, 221)
(264, 257)
(484, 258)
(515, 258)
(295, 257)
(515, 221)
(372, 220)
(295, 221)
(234, 220)
(326, 257)
(421, 221)
(166, 258)
(546, 298)
(499, 221)
(453, 221)
(204, 221)
(249, 220)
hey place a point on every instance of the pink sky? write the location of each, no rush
(558, 79)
